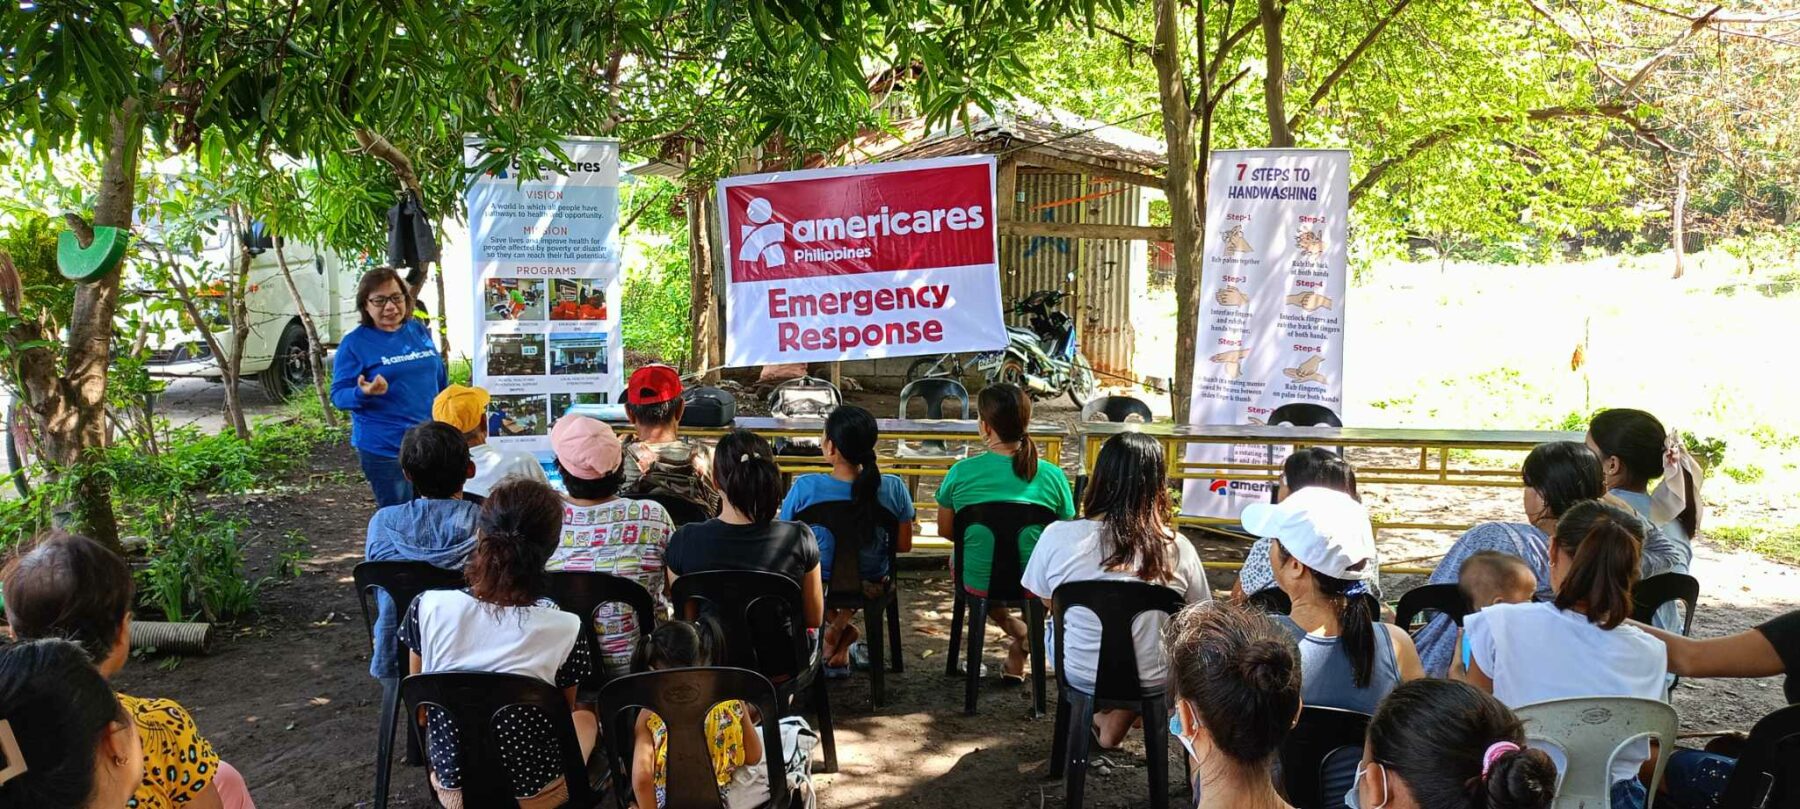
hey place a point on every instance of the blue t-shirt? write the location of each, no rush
(822, 488)
(414, 372)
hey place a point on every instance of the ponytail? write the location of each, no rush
(1604, 542)
(520, 523)
(1006, 410)
(1356, 618)
(853, 432)
(1456, 746)
(744, 467)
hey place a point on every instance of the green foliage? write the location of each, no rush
(1710, 452)
(657, 287)
(196, 569)
(462, 371)
(31, 241)
(1780, 543)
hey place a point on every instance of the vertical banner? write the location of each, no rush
(1271, 326)
(544, 259)
(861, 262)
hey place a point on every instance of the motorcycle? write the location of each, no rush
(1044, 359)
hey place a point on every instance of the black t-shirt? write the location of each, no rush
(1784, 634)
(781, 547)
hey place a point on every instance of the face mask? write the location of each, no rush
(1353, 798)
(1180, 733)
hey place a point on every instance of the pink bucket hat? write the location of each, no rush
(587, 448)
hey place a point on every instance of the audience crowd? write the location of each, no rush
(1549, 602)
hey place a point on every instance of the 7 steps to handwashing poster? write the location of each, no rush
(1271, 326)
(544, 255)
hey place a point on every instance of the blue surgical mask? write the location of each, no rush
(1180, 733)
(1353, 798)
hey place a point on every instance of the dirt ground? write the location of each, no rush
(287, 699)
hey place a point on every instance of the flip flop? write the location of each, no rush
(859, 656)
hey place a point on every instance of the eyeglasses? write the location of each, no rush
(384, 301)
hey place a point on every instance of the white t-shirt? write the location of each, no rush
(1072, 551)
(493, 465)
(457, 632)
(1536, 652)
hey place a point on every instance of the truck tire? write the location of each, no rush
(290, 370)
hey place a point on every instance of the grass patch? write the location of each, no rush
(1780, 544)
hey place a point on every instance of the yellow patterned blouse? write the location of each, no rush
(178, 764)
(725, 725)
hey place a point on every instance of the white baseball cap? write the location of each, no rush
(1325, 529)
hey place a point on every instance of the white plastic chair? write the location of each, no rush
(1590, 732)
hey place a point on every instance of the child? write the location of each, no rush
(1487, 578)
(438, 527)
(737, 749)
(849, 446)
(465, 409)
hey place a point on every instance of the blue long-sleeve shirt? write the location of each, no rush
(439, 532)
(414, 372)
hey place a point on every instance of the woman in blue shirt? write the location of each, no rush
(386, 375)
(855, 476)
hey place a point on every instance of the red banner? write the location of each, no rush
(864, 222)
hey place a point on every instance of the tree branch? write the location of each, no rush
(1272, 16)
(374, 145)
(1325, 87)
(1699, 24)
(1130, 42)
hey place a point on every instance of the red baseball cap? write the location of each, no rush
(653, 384)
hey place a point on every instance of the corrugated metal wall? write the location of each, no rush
(1098, 274)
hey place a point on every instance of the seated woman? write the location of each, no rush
(1557, 475)
(1438, 744)
(1580, 644)
(1307, 467)
(73, 588)
(1126, 536)
(746, 535)
(1237, 694)
(65, 739)
(504, 623)
(735, 741)
(849, 446)
(1009, 472)
(1635, 449)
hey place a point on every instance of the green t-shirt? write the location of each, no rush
(989, 478)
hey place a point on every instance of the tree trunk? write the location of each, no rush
(75, 416)
(315, 348)
(190, 303)
(703, 309)
(1678, 229)
(237, 292)
(1274, 79)
(1181, 188)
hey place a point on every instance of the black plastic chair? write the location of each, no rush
(581, 593)
(474, 701)
(403, 582)
(1303, 414)
(1116, 604)
(1322, 735)
(1650, 594)
(1768, 773)
(1272, 600)
(1006, 521)
(682, 698)
(934, 391)
(1117, 409)
(761, 616)
(1446, 599)
(851, 531)
(681, 510)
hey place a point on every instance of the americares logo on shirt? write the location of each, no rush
(409, 356)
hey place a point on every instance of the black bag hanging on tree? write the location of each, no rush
(411, 243)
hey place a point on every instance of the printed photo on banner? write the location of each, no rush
(577, 353)
(577, 299)
(561, 402)
(511, 416)
(514, 299)
(862, 262)
(515, 354)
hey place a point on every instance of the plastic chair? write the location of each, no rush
(1591, 732)
(474, 701)
(851, 531)
(1117, 409)
(1006, 521)
(761, 616)
(1443, 598)
(1116, 604)
(1321, 737)
(1302, 414)
(1768, 773)
(1650, 594)
(934, 391)
(681, 510)
(581, 592)
(682, 698)
(403, 582)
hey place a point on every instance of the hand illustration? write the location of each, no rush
(1231, 296)
(1310, 301)
(1307, 372)
(1256, 421)
(1233, 361)
(373, 387)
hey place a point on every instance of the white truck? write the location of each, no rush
(275, 353)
